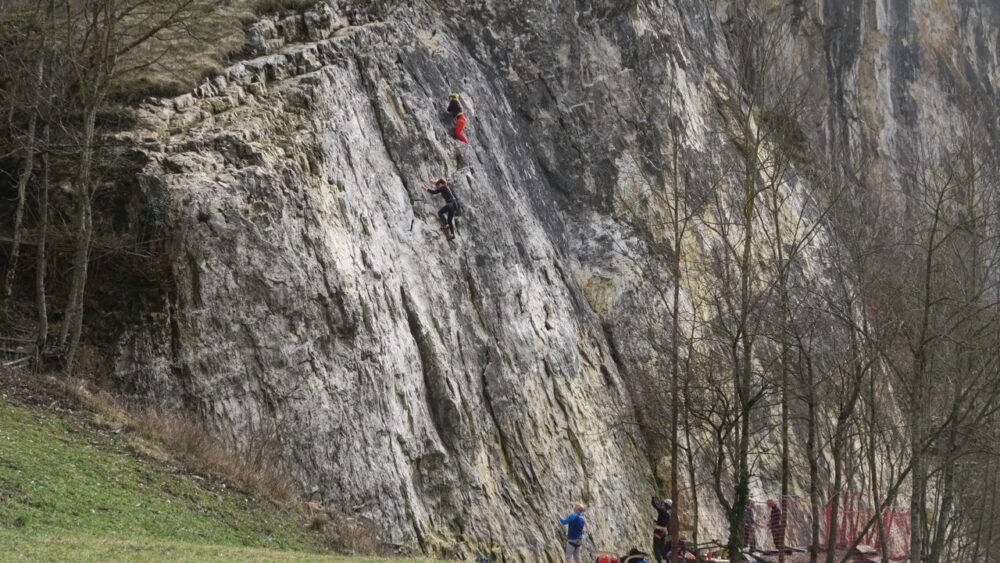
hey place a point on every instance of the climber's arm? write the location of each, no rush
(569, 518)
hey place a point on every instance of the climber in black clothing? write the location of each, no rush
(661, 530)
(446, 213)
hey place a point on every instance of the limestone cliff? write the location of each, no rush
(462, 394)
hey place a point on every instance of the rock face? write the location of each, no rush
(460, 395)
(900, 76)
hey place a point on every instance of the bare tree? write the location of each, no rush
(930, 318)
(102, 40)
(62, 60)
(41, 302)
(661, 213)
(759, 117)
(970, 359)
(29, 62)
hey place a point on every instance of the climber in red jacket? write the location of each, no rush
(456, 111)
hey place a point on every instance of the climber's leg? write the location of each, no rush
(460, 122)
(659, 553)
(443, 215)
(450, 218)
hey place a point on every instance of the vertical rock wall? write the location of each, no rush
(460, 395)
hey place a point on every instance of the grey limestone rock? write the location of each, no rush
(461, 395)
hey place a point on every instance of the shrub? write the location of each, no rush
(256, 468)
(355, 536)
(269, 7)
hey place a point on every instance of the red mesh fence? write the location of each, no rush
(853, 514)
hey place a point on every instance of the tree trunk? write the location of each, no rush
(785, 467)
(40, 263)
(70, 312)
(674, 430)
(675, 367)
(947, 498)
(743, 444)
(692, 476)
(737, 521)
(977, 540)
(74, 317)
(831, 532)
(22, 185)
(743, 358)
(813, 454)
(918, 478)
(784, 366)
(873, 470)
(990, 520)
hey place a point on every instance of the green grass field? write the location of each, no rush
(42, 547)
(69, 491)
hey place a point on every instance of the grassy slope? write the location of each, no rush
(68, 491)
(89, 548)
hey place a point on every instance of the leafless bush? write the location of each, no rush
(255, 469)
(355, 536)
(263, 7)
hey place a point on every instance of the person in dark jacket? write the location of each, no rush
(447, 213)
(661, 529)
(575, 523)
(774, 524)
(458, 113)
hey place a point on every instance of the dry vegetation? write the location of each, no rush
(200, 50)
(180, 438)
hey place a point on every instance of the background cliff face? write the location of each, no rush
(898, 77)
(461, 395)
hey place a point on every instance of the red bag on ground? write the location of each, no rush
(607, 559)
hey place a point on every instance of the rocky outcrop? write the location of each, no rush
(460, 395)
(897, 78)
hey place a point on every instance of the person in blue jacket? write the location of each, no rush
(574, 533)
